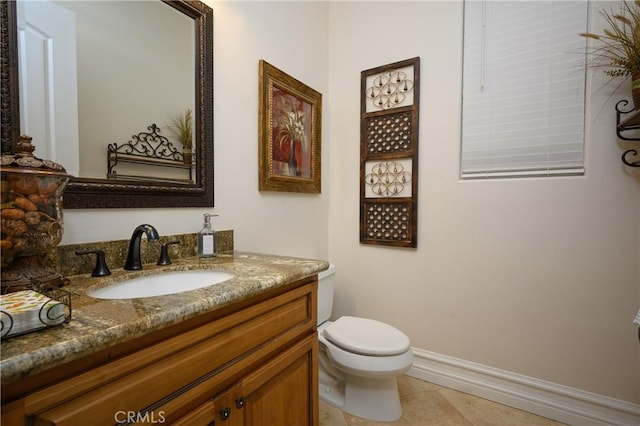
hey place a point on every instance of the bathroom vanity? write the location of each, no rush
(243, 352)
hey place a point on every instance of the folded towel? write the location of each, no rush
(28, 310)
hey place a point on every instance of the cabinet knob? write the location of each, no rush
(225, 413)
(240, 402)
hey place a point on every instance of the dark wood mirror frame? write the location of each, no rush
(103, 193)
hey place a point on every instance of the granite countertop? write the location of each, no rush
(98, 324)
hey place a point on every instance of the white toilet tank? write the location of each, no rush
(326, 285)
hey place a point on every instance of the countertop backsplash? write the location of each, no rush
(67, 263)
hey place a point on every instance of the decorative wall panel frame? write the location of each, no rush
(389, 112)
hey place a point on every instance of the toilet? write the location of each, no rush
(359, 360)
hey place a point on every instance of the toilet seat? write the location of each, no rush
(374, 366)
(366, 337)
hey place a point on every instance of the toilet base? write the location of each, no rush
(372, 399)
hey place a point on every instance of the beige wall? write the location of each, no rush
(292, 37)
(534, 276)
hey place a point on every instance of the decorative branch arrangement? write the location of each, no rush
(182, 128)
(618, 49)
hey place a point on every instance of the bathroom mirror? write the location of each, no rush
(92, 191)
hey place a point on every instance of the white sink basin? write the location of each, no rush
(160, 284)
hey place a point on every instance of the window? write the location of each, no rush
(523, 88)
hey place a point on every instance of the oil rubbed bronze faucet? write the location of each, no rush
(133, 257)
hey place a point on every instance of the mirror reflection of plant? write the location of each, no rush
(289, 119)
(619, 52)
(182, 128)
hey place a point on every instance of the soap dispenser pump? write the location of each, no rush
(207, 238)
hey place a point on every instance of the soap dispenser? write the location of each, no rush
(207, 238)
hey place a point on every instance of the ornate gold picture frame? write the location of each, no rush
(289, 133)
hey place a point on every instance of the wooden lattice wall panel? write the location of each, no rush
(388, 134)
(389, 112)
(388, 221)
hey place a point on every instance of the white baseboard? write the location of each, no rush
(551, 400)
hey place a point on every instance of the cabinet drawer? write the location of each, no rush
(155, 373)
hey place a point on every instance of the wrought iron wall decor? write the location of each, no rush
(628, 129)
(149, 149)
(387, 178)
(388, 89)
(389, 111)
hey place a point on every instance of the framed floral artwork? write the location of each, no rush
(289, 133)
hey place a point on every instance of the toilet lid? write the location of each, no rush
(366, 336)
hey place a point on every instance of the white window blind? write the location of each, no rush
(523, 88)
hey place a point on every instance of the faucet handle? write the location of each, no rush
(101, 269)
(164, 253)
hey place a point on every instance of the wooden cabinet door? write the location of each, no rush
(229, 408)
(281, 392)
(285, 390)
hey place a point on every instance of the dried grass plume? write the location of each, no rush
(618, 52)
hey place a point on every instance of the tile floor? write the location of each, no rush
(425, 404)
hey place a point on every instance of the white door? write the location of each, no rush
(48, 81)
